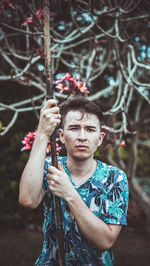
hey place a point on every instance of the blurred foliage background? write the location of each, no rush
(112, 56)
(13, 160)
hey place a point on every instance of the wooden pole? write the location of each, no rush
(49, 89)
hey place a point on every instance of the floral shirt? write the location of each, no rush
(106, 195)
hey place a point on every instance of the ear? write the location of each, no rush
(102, 135)
(61, 135)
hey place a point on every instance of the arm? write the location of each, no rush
(30, 189)
(102, 235)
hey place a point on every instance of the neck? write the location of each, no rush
(81, 168)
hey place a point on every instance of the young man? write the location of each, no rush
(94, 195)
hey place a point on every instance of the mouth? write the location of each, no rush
(82, 147)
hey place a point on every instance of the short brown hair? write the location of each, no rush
(81, 104)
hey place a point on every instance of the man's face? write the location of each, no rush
(81, 134)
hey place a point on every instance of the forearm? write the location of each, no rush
(30, 190)
(95, 230)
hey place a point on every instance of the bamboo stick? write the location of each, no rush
(49, 89)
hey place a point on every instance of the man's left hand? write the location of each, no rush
(59, 182)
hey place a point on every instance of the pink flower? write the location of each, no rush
(10, 4)
(66, 77)
(58, 148)
(26, 147)
(71, 84)
(61, 88)
(122, 143)
(29, 139)
(81, 86)
(29, 20)
(39, 13)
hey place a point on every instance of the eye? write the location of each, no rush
(73, 128)
(91, 130)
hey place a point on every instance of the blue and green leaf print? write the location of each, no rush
(106, 195)
(115, 208)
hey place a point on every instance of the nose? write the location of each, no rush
(82, 134)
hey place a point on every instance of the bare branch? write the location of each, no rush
(11, 123)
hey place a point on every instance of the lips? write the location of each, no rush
(82, 147)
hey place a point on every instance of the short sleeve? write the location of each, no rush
(117, 199)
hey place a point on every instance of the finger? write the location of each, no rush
(55, 110)
(51, 114)
(49, 104)
(53, 170)
(52, 120)
(51, 182)
(48, 177)
(51, 111)
(60, 167)
(52, 102)
(51, 175)
(51, 187)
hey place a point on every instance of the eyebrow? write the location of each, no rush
(87, 126)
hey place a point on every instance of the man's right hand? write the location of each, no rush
(49, 118)
(30, 189)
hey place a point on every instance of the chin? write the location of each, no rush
(81, 156)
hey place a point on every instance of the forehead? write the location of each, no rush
(78, 118)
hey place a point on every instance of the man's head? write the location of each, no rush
(80, 130)
(82, 105)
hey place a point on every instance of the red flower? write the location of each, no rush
(122, 143)
(61, 88)
(29, 20)
(66, 77)
(39, 13)
(71, 84)
(29, 139)
(81, 86)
